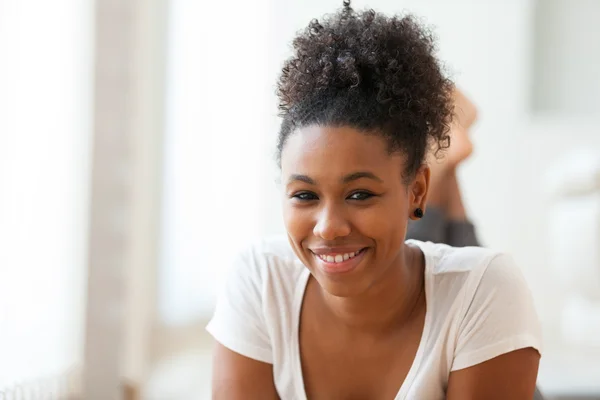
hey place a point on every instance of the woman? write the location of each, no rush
(345, 308)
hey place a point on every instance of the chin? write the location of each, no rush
(344, 285)
(341, 289)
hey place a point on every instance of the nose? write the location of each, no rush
(331, 224)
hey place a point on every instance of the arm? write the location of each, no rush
(242, 357)
(498, 342)
(236, 377)
(508, 376)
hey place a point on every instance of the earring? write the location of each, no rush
(418, 213)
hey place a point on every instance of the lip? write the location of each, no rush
(333, 268)
(335, 250)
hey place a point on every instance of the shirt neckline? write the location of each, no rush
(298, 378)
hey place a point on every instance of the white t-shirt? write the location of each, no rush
(478, 307)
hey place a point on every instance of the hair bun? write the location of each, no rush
(371, 72)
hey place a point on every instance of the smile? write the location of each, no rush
(338, 258)
(337, 263)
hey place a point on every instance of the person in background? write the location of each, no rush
(343, 306)
(446, 219)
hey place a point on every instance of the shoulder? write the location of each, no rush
(482, 301)
(465, 280)
(463, 268)
(258, 294)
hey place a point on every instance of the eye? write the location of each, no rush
(362, 195)
(305, 196)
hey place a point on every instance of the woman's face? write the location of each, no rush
(346, 205)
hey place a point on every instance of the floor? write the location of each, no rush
(182, 367)
(183, 377)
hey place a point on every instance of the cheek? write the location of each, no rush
(297, 221)
(385, 223)
(380, 222)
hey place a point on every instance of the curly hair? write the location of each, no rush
(374, 73)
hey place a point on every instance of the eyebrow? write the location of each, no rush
(346, 179)
(359, 175)
(301, 178)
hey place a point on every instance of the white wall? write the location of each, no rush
(217, 100)
(567, 57)
(45, 82)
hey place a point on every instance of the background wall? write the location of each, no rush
(45, 93)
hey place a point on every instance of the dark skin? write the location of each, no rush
(344, 192)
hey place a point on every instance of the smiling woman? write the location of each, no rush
(352, 200)
(345, 307)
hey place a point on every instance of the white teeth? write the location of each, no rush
(338, 258)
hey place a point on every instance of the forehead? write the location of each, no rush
(323, 150)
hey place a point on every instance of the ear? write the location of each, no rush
(417, 191)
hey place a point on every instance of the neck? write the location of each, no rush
(390, 303)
